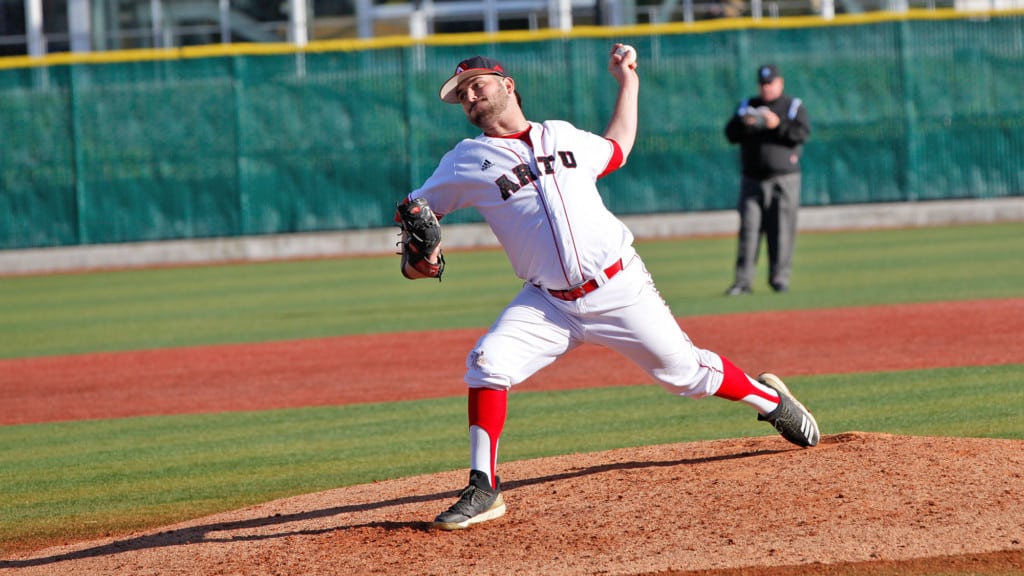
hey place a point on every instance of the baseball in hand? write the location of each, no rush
(628, 54)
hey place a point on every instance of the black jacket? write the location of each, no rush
(765, 153)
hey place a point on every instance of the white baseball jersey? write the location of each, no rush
(541, 201)
(543, 205)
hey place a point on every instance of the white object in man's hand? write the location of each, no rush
(628, 54)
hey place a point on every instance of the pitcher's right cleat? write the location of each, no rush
(790, 418)
(477, 503)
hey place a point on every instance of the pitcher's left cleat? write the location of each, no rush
(790, 418)
(478, 502)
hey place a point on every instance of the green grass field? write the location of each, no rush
(61, 481)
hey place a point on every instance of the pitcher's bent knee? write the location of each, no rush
(482, 373)
(692, 379)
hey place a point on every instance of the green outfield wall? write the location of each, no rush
(267, 139)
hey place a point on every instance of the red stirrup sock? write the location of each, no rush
(737, 386)
(487, 411)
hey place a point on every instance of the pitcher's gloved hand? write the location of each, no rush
(421, 240)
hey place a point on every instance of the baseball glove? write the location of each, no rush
(420, 240)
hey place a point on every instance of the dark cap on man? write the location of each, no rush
(470, 68)
(767, 73)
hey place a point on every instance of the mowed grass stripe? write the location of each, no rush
(258, 302)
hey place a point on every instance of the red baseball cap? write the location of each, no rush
(470, 68)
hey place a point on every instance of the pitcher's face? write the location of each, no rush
(485, 99)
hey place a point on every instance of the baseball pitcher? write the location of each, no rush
(583, 281)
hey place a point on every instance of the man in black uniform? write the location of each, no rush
(770, 129)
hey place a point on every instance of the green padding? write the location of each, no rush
(902, 110)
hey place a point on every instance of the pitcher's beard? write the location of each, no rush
(489, 111)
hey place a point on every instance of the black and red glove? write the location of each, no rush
(421, 240)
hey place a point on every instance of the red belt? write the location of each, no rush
(588, 286)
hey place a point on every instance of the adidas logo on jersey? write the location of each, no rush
(485, 165)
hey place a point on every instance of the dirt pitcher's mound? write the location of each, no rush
(748, 506)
